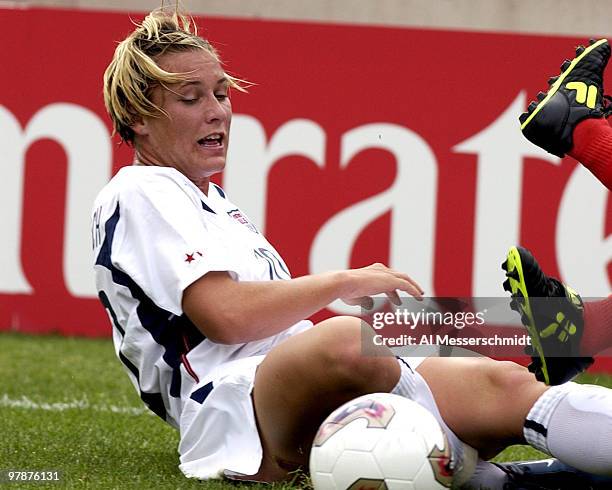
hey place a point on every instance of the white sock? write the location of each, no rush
(573, 423)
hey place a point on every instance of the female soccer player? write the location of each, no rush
(210, 325)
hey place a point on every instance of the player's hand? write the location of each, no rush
(361, 284)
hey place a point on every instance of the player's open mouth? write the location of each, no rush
(214, 140)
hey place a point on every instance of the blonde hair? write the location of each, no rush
(133, 71)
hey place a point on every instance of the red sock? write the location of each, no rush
(597, 334)
(593, 148)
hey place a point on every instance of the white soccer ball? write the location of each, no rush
(381, 442)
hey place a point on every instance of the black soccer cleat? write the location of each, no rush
(553, 315)
(576, 94)
(550, 474)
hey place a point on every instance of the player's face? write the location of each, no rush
(194, 138)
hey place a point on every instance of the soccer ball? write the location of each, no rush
(381, 442)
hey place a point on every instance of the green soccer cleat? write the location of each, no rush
(576, 94)
(552, 313)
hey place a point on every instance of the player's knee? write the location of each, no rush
(340, 348)
(509, 383)
(340, 345)
(502, 376)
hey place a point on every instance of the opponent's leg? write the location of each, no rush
(592, 140)
(305, 378)
(597, 326)
(570, 117)
(553, 315)
(573, 96)
(565, 331)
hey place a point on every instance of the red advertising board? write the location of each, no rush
(356, 144)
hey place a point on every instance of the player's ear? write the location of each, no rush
(140, 126)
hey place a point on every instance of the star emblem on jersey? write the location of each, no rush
(189, 258)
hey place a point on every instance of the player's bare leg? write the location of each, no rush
(304, 379)
(488, 404)
(485, 402)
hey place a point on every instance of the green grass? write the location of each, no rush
(90, 444)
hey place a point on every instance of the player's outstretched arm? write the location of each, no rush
(233, 312)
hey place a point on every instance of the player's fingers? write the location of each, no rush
(394, 298)
(409, 279)
(411, 289)
(367, 303)
(416, 285)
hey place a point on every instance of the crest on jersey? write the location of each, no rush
(242, 219)
(374, 412)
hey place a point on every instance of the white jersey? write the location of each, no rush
(155, 233)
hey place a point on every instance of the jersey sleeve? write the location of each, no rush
(166, 240)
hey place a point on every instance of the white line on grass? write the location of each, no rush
(25, 403)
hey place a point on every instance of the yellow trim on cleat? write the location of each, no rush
(581, 89)
(516, 285)
(592, 97)
(553, 90)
